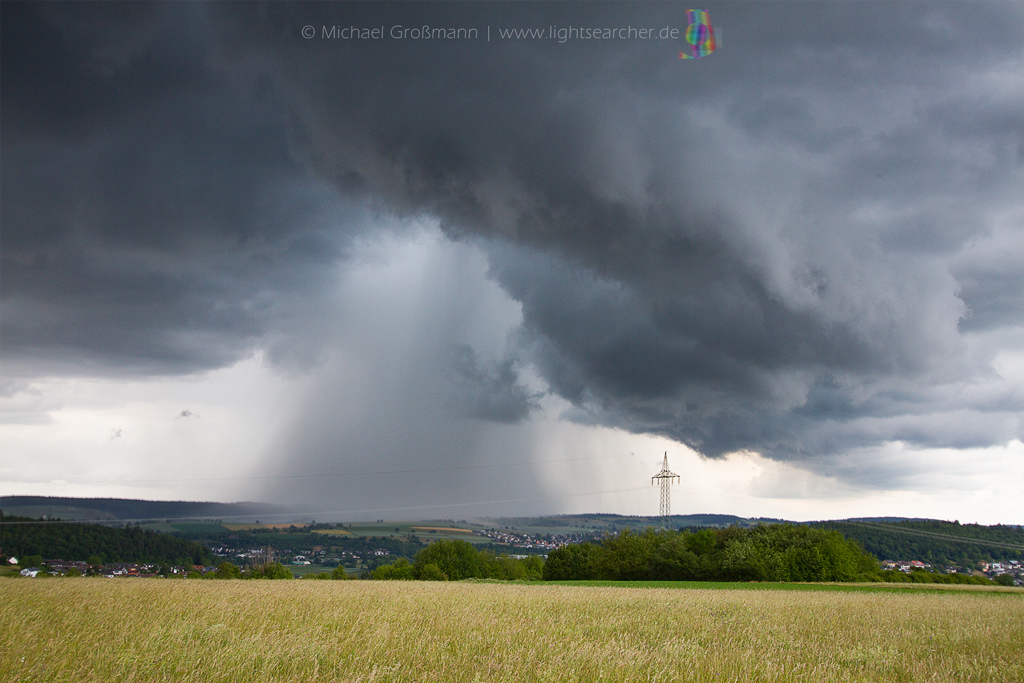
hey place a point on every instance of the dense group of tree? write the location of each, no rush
(935, 542)
(20, 536)
(776, 552)
(447, 560)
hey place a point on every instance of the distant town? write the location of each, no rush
(1013, 568)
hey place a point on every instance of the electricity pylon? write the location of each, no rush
(666, 477)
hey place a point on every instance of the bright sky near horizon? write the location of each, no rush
(424, 276)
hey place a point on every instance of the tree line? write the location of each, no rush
(454, 560)
(21, 536)
(776, 552)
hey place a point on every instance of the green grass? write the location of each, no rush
(300, 570)
(159, 630)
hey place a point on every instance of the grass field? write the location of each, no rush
(299, 571)
(151, 630)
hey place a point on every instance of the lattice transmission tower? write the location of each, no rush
(667, 477)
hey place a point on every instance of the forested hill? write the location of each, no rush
(933, 541)
(22, 537)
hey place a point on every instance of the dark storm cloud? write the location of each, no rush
(754, 250)
(618, 192)
(154, 219)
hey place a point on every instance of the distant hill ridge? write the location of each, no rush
(123, 509)
(637, 521)
(130, 509)
(933, 541)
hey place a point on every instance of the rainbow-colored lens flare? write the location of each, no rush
(700, 34)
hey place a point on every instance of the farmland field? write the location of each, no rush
(151, 629)
(427, 530)
(201, 527)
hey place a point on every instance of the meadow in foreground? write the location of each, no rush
(151, 629)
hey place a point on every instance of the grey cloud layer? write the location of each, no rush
(767, 249)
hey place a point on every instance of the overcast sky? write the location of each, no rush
(406, 277)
